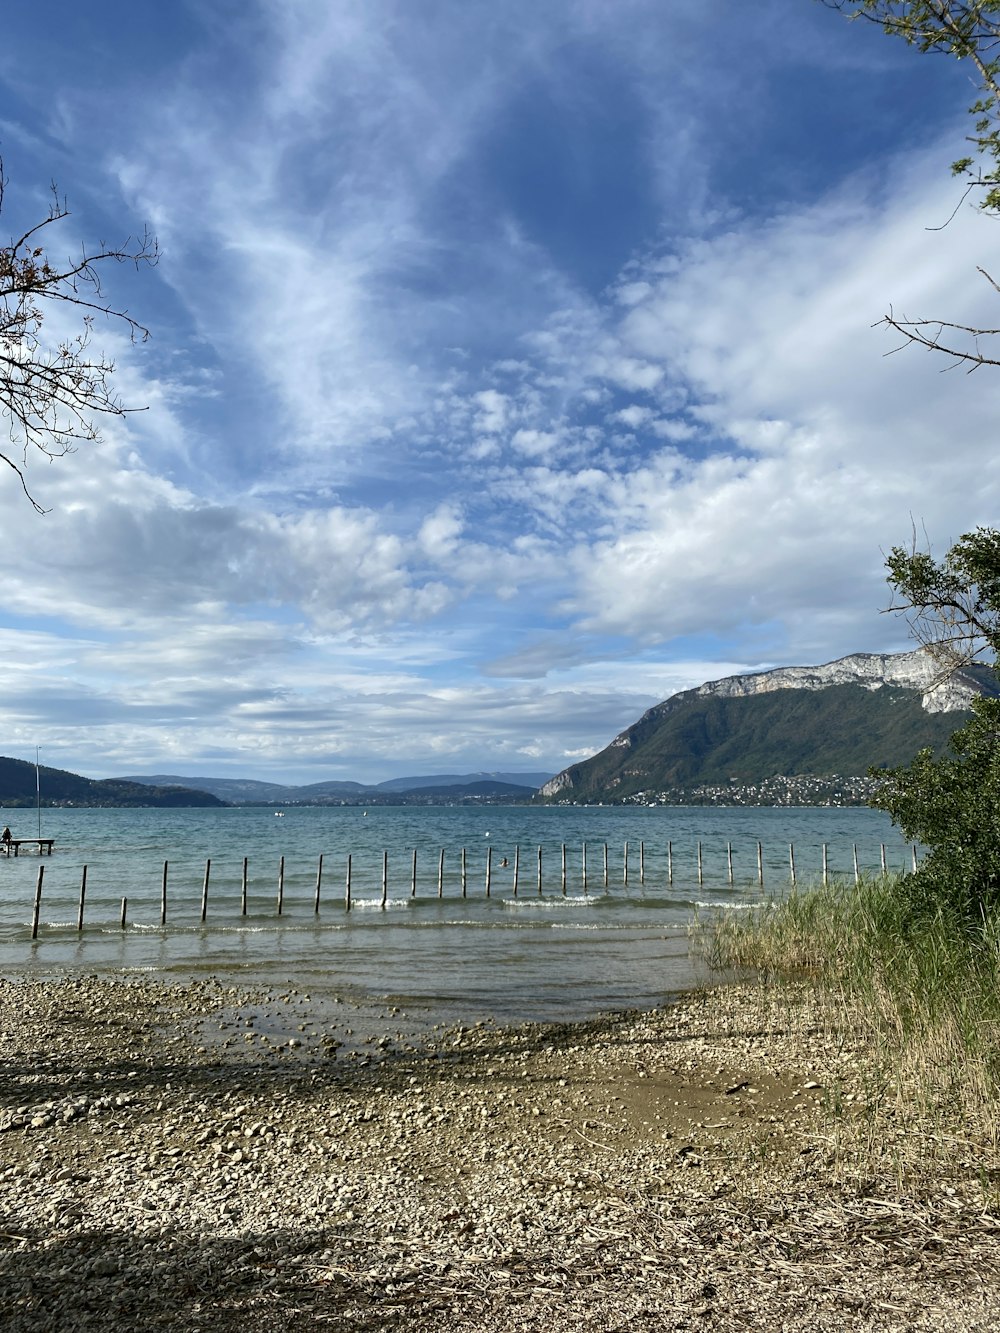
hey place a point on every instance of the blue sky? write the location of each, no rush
(512, 367)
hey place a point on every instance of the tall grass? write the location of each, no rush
(924, 981)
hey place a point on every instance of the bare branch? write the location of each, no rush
(932, 334)
(954, 212)
(966, 30)
(52, 392)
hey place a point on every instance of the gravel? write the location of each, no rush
(206, 1157)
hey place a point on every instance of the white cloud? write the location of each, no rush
(535, 443)
(493, 411)
(121, 547)
(440, 531)
(820, 450)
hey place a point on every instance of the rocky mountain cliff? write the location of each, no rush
(800, 726)
(911, 671)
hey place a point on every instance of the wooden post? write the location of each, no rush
(625, 866)
(385, 878)
(729, 862)
(701, 868)
(413, 875)
(83, 896)
(38, 903)
(642, 863)
(563, 873)
(163, 895)
(464, 876)
(826, 868)
(204, 889)
(489, 867)
(605, 866)
(882, 846)
(243, 889)
(857, 872)
(670, 862)
(281, 884)
(584, 867)
(319, 882)
(517, 865)
(791, 862)
(539, 871)
(760, 864)
(347, 890)
(441, 874)
(124, 911)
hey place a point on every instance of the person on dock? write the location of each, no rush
(5, 839)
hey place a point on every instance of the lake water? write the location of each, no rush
(573, 949)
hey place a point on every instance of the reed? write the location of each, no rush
(923, 982)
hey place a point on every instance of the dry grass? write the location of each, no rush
(924, 985)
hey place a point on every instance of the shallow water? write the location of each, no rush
(559, 948)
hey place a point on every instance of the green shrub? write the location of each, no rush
(952, 806)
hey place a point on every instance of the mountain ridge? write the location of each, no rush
(818, 722)
(248, 791)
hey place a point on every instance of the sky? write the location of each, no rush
(512, 367)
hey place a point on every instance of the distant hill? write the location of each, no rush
(418, 790)
(530, 780)
(246, 791)
(496, 792)
(59, 787)
(793, 734)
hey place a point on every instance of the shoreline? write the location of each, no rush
(731, 1161)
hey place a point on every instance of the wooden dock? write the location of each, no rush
(43, 846)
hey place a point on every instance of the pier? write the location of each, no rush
(43, 846)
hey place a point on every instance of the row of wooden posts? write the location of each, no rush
(464, 871)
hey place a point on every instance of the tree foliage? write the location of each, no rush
(54, 389)
(953, 605)
(952, 805)
(968, 30)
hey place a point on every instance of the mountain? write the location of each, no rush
(246, 791)
(58, 787)
(792, 735)
(397, 791)
(532, 780)
(497, 793)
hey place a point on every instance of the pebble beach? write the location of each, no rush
(201, 1156)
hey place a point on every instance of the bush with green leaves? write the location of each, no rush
(952, 806)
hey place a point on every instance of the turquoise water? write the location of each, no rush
(576, 947)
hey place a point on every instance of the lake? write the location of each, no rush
(577, 947)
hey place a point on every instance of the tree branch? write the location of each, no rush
(51, 394)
